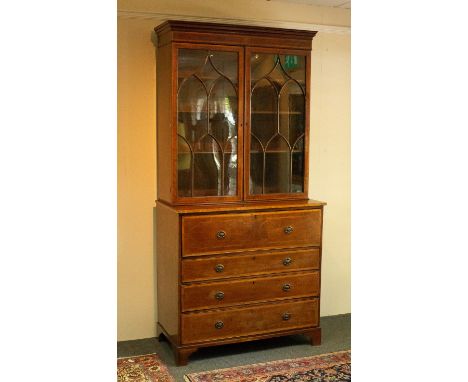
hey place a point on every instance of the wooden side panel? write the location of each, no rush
(167, 250)
(260, 319)
(248, 264)
(164, 121)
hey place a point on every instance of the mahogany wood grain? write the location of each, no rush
(217, 33)
(261, 230)
(246, 206)
(182, 355)
(248, 264)
(314, 335)
(164, 122)
(167, 269)
(308, 66)
(229, 293)
(254, 320)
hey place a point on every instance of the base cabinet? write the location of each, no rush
(215, 289)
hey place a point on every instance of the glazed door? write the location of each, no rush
(209, 121)
(277, 115)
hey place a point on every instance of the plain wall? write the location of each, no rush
(136, 102)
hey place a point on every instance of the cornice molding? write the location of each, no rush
(254, 22)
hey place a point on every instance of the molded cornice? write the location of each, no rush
(253, 22)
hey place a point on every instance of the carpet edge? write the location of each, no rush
(138, 355)
(188, 379)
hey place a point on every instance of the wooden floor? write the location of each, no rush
(336, 335)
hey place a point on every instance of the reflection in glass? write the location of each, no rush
(297, 165)
(277, 166)
(230, 166)
(294, 67)
(264, 108)
(192, 110)
(277, 123)
(292, 111)
(207, 168)
(256, 166)
(184, 166)
(207, 122)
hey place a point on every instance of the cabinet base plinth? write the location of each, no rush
(183, 352)
(182, 355)
(314, 336)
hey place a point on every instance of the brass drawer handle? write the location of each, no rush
(220, 234)
(288, 230)
(286, 316)
(219, 268)
(287, 261)
(219, 324)
(219, 295)
(287, 287)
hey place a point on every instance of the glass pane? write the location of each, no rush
(207, 168)
(184, 165)
(277, 166)
(277, 123)
(192, 110)
(264, 111)
(261, 64)
(207, 103)
(190, 61)
(230, 167)
(292, 111)
(226, 64)
(223, 110)
(256, 167)
(294, 67)
(298, 167)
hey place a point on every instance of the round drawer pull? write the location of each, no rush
(220, 234)
(219, 324)
(286, 316)
(219, 268)
(219, 295)
(287, 261)
(288, 230)
(287, 287)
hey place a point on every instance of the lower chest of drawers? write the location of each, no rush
(240, 276)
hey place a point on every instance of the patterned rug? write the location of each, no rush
(142, 368)
(332, 367)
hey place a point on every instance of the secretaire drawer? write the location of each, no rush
(198, 327)
(210, 234)
(218, 267)
(229, 293)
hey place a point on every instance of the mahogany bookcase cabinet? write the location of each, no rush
(238, 241)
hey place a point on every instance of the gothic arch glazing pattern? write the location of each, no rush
(277, 101)
(207, 99)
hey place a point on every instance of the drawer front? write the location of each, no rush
(229, 293)
(211, 234)
(249, 264)
(261, 319)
